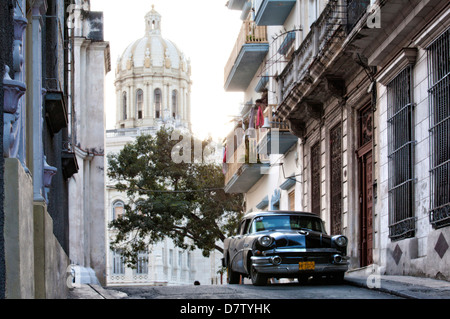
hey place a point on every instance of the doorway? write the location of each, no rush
(365, 185)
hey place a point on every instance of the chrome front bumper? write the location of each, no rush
(267, 265)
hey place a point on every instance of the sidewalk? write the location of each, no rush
(403, 286)
(90, 291)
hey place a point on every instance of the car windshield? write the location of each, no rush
(262, 223)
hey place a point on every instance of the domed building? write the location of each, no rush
(153, 89)
(152, 81)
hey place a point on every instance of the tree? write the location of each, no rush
(184, 201)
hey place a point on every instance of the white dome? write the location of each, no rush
(152, 50)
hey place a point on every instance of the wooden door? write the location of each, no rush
(365, 162)
(366, 209)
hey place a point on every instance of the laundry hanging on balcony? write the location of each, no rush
(260, 117)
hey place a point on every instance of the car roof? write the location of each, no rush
(279, 212)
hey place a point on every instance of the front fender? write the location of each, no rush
(247, 254)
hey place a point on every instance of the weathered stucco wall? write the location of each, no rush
(18, 231)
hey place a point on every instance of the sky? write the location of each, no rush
(205, 30)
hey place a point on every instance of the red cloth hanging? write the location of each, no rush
(225, 154)
(259, 118)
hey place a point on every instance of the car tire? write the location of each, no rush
(233, 277)
(257, 278)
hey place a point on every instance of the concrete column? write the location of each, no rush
(35, 99)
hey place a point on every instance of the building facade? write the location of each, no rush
(345, 113)
(153, 88)
(38, 155)
(90, 62)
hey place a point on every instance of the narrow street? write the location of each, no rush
(312, 290)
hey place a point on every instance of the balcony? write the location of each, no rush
(244, 168)
(273, 12)
(249, 161)
(276, 138)
(236, 4)
(248, 53)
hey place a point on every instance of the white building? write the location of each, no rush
(366, 93)
(152, 89)
(91, 63)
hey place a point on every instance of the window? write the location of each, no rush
(243, 229)
(400, 156)
(291, 198)
(139, 103)
(312, 11)
(118, 209)
(157, 103)
(174, 103)
(279, 222)
(142, 263)
(189, 260)
(124, 106)
(439, 95)
(170, 257)
(336, 179)
(180, 259)
(118, 266)
(315, 178)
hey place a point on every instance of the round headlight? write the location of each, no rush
(265, 241)
(341, 241)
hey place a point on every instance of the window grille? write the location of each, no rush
(336, 179)
(400, 156)
(439, 95)
(315, 178)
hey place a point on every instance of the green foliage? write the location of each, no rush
(183, 201)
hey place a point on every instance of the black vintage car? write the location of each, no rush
(284, 244)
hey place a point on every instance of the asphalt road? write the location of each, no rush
(312, 290)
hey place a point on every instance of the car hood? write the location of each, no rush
(300, 239)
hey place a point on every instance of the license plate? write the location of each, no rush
(306, 265)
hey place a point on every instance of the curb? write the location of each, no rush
(407, 290)
(362, 283)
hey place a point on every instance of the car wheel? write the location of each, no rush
(232, 276)
(257, 278)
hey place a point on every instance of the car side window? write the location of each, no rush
(247, 227)
(241, 228)
(244, 227)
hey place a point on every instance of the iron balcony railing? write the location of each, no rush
(439, 100)
(250, 33)
(355, 10)
(336, 21)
